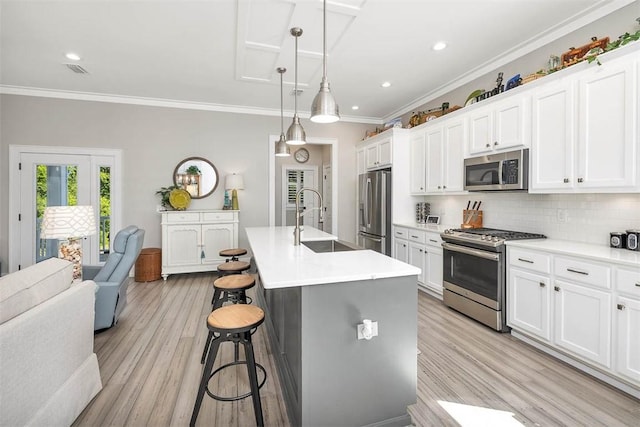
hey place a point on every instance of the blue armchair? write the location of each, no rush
(112, 277)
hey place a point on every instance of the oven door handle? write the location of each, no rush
(470, 251)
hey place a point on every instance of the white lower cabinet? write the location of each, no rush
(192, 240)
(627, 323)
(422, 249)
(529, 307)
(584, 309)
(583, 321)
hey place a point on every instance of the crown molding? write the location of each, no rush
(165, 103)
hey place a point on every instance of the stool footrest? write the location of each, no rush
(241, 396)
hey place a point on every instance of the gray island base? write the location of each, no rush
(328, 376)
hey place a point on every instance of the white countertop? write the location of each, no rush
(600, 253)
(282, 265)
(435, 228)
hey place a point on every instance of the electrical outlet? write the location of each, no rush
(374, 331)
(562, 215)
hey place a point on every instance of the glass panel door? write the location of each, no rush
(49, 180)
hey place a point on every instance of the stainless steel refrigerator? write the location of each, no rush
(374, 211)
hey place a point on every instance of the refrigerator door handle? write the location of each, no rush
(368, 202)
(370, 238)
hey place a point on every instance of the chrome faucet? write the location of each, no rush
(296, 230)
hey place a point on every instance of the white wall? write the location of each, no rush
(154, 140)
(589, 217)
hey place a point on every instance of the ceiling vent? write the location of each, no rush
(76, 68)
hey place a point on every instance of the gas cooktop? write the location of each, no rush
(487, 236)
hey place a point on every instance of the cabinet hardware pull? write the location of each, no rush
(404, 245)
(488, 145)
(638, 284)
(202, 254)
(556, 288)
(444, 187)
(621, 307)
(495, 143)
(435, 241)
(438, 187)
(566, 180)
(415, 237)
(586, 273)
(580, 179)
(525, 260)
(420, 250)
(542, 284)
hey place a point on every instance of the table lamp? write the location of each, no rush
(69, 224)
(234, 182)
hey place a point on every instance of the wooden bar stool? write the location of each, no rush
(233, 323)
(231, 288)
(233, 267)
(232, 254)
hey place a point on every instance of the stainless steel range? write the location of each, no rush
(474, 272)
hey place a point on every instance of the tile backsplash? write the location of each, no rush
(587, 218)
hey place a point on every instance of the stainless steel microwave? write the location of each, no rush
(507, 171)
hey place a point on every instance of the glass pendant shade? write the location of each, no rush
(324, 108)
(295, 133)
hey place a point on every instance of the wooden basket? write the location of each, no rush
(149, 265)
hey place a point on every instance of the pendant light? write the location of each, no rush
(282, 149)
(324, 108)
(295, 133)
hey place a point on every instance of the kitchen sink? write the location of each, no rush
(320, 246)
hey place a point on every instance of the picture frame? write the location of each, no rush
(433, 219)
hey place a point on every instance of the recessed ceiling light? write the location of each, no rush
(73, 56)
(439, 46)
(385, 84)
(355, 107)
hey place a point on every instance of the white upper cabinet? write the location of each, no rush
(500, 125)
(553, 137)
(378, 154)
(608, 118)
(584, 131)
(417, 159)
(433, 143)
(455, 140)
(437, 156)
(361, 167)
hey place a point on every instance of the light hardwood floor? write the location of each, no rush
(150, 367)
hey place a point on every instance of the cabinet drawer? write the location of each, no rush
(217, 216)
(433, 239)
(530, 260)
(628, 281)
(583, 271)
(400, 233)
(183, 217)
(417, 236)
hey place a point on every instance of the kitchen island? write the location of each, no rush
(314, 302)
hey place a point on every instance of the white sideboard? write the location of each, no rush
(191, 240)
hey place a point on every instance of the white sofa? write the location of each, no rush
(48, 370)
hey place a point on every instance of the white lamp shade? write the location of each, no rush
(65, 222)
(234, 182)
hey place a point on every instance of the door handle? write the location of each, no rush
(621, 307)
(584, 273)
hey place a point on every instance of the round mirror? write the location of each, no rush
(197, 175)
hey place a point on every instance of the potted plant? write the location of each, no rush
(193, 170)
(164, 192)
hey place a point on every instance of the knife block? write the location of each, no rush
(471, 219)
